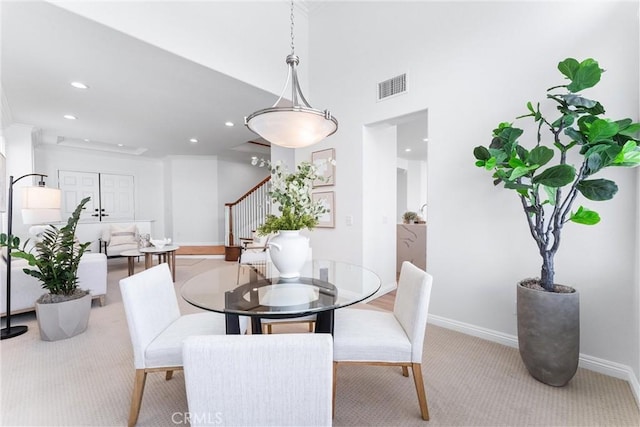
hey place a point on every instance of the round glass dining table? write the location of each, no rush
(323, 286)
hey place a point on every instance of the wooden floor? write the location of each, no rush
(200, 250)
(385, 302)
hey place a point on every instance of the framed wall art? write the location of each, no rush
(324, 161)
(327, 199)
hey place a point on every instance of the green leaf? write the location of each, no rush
(510, 134)
(520, 188)
(519, 172)
(575, 135)
(578, 101)
(481, 153)
(490, 164)
(556, 176)
(602, 130)
(515, 162)
(551, 194)
(594, 163)
(569, 67)
(585, 216)
(596, 110)
(530, 107)
(522, 152)
(628, 129)
(629, 155)
(540, 155)
(597, 189)
(587, 74)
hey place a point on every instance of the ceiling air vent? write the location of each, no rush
(393, 86)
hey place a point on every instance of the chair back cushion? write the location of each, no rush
(412, 305)
(289, 375)
(123, 234)
(150, 305)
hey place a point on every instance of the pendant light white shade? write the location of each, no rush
(292, 127)
(40, 205)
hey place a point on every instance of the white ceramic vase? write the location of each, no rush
(288, 251)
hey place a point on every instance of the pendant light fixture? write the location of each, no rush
(292, 126)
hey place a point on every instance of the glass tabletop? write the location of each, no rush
(153, 249)
(323, 285)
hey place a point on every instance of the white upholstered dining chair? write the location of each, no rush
(259, 380)
(388, 338)
(157, 329)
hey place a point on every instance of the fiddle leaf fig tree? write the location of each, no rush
(544, 177)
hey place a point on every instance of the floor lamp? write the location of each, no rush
(39, 205)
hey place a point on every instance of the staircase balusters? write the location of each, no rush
(247, 213)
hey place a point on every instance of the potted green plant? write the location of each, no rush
(548, 177)
(410, 217)
(63, 312)
(291, 192)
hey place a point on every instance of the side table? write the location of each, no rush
(166, 254)
(131, 254)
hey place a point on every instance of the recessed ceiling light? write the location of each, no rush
(79, 85)
(120, 145)
(193, 140)
(425, 139)
(229, 124)
(70, 117)
(86, 140)
(407, 150)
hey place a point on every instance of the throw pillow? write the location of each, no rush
(123, 235)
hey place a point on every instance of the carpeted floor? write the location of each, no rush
(87, 381)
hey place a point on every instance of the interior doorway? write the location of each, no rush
(395, 165)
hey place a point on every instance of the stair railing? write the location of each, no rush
(246, 214)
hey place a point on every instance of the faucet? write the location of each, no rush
(422, 210)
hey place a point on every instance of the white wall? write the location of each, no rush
(19, 156)
(416, 185)
(378, 202)
(147, 173)
(195, 204)
(471, 74)
(401, 195)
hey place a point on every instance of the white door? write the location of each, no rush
(117, 197)
(75, 186)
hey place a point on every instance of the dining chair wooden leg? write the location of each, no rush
(168, 375)
(136, 398)
(310, 326)
(335, 377)
(405, 371)
(422, 396)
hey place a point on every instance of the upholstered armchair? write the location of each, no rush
(119, 238)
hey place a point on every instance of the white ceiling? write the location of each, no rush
(141, 100)
(150, 101)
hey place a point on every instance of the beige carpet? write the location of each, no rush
(87, 381)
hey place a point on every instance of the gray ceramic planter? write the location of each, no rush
(63, 320)
(549, 334)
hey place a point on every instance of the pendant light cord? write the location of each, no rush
(292, 46)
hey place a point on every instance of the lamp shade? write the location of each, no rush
(40, 205)
(292, 127)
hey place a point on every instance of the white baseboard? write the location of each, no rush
(602, 366)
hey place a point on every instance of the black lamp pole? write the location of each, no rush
(13, 331)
